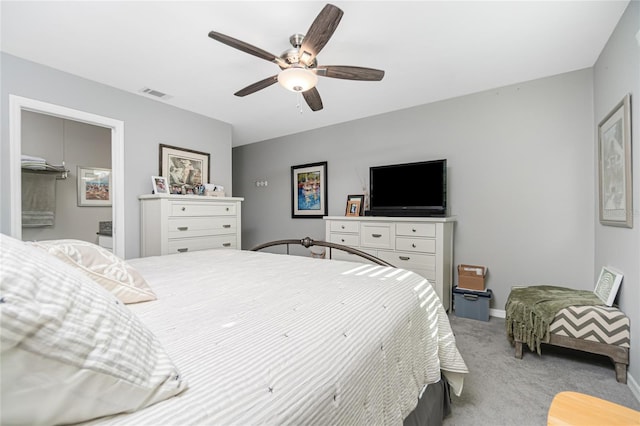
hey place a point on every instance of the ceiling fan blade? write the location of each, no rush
(320, 32)
(246, 47)
(257, 86)
(312, 97)
(350, 73)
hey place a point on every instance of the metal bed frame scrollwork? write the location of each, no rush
(309, 242)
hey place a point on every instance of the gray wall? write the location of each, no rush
(520, 173)
(147, 124)
(78, 144)
(616, 73)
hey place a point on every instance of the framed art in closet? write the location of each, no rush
(94, 187)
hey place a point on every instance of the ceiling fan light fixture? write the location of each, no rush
(297, 79)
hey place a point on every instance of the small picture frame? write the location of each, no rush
(160, 185)
(360, 199)
(608, 285)
(353, 208)
(94, 187)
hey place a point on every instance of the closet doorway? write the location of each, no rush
(17, 106)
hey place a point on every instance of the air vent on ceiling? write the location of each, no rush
(155, 93)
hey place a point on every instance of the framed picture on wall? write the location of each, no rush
(94, 187)
(614, 166)
(309, 190)
(184, 167)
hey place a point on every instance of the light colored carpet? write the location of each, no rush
(503, 390)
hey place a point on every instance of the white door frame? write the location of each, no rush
(17, 104)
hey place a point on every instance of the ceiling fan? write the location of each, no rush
(299, 66)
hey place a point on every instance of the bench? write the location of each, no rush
(601, 330)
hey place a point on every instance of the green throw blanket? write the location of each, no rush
(531, 310)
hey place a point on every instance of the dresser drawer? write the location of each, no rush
(420, 245)
(180, 227)
(345, 239)
(178, 208)
(408, 260)
(376, 235)
(416, 229)
(181, 245)
(345, 226)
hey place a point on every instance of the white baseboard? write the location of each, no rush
(631, 382)
(498, 313)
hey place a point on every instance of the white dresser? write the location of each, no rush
(422, 245)
(180, 223)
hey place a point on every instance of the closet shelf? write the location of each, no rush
(47, 169)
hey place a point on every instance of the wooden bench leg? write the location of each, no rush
(519, 350)
(621, 372)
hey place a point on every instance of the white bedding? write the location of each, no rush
(341, 343)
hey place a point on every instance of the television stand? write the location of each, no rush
(420, 244)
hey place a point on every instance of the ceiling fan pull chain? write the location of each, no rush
(298, 103)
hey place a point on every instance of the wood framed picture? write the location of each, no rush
(94, 187)
(309, 190)
(608, 285)
(360, 203)
(160, 185)
(353, 208)
(614, 166)
(183, 167)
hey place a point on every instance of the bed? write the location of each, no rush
(228, 337)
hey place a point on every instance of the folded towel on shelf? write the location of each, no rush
(38, 200)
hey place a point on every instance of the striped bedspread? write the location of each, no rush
(265, 338)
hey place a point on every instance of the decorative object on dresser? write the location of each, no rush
(309, 190)
(614, 171)
(355, 200)
(419, 244)
(160, 185)
(183, 167)
(94, 187)
(180, 223)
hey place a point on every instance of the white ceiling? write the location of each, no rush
(430, 50)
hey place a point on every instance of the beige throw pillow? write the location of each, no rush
(104, 267)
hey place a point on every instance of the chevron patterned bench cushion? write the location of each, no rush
(601, 324)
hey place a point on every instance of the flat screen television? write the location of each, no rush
(411, 189)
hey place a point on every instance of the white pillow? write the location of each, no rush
(104, 267)
(70, 350)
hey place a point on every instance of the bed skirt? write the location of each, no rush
(433, 406)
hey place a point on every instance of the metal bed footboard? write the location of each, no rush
(309, 242)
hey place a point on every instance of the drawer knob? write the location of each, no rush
(182, 228)
(413, 245)
(183, 250)
(404, 257)
(342, 240)
(376, 235)
(342, 226)
(413, 230)
(226, 244)
(227, 209)
(226, 226)
(184, 208)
